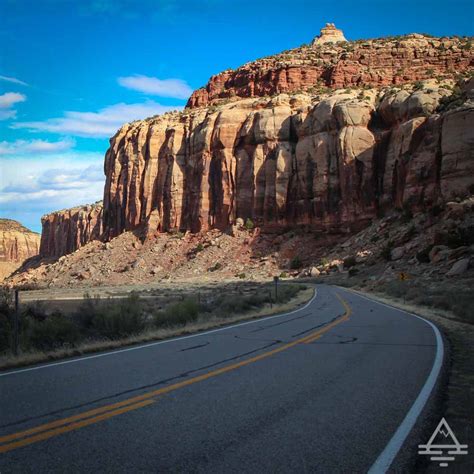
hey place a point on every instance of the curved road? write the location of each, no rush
(332, 387)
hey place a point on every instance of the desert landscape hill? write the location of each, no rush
(338, 151)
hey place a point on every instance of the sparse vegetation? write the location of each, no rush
(296, 263)
(386, 252)
(249, 225)
(106, 323)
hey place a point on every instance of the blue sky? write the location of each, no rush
(71, 72)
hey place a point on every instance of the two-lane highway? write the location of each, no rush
(334, 386)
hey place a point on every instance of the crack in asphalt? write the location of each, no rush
(324, 323)
(262, 328)
(195, 347)
(142, 387)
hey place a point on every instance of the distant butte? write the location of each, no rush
(329, 34)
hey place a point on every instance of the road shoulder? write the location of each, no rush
(455, 395)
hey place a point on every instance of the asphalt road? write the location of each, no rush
(322, 389)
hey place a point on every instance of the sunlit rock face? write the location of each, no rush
(329, 34)
(17, 244)
(326, 137)
(330, 163)
(67, 230)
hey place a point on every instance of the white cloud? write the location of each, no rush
(14, 80)
(29, 147)
(10, 98)
(175, 88)
(7, 101)
(101, 124)
(49, 182)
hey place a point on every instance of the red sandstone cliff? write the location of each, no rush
(380, 62)
(330, 162)
(327, 158)
(66, 231)
(17, 243)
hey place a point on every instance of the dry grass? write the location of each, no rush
(203, 323)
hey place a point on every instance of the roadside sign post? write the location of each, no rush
(275, 279)
(16, 324)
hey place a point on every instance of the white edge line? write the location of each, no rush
(391, 450)
(152, 344)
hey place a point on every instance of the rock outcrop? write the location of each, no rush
(370, 63)
(329, 34)
(332, 162)
(17, 243)
(66, 231)
(272, 143)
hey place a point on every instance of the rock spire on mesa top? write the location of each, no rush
(329, 34)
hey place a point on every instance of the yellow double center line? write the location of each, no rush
(64, 425)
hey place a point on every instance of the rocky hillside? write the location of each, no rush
(325, 64)
(17, 243)
(324, 138)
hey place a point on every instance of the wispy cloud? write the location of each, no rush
(7, 101)
(101, 124)
(175, 88)
(13, 80)
(28, 147)
(49, 182)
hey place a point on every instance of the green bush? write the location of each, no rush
(6, 314)
(296, 263)
(178, 314)
(119, 319)
(52, 333)
(217, 266)
(199, 247)
(249, 225)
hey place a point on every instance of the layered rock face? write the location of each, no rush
(273, 145)
(17, 243)
(381, 62)
(65, 231)
(329, 34)
(330, 163)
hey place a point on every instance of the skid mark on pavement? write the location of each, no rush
(48, 430)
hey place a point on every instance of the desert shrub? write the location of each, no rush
(249, 225)
(242, 276)
(6, 313)
(423, 256)
(52, 333)
(118, 319)
(456, 99)
(296, 263)
(178, 314)
(374, 238)
(418, 85)
(353, 271)
(350, 262)
(396, 288)
(199, 248)
(386, 252)
(287, 292)
(35, 311)
(88, 311)
(283, 275)
(215, 267)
